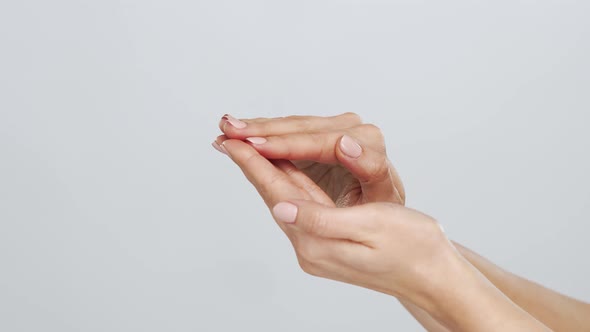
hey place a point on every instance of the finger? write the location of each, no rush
(366, 160)
(239, 122)
(316, 146)
(356, 223)
(295, 174)
(304, 182)
(241, 129)
(299, 178)
(272, 184)
(378, 178)
(220, 139)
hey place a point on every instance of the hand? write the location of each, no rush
(345, 158)
(381, 246)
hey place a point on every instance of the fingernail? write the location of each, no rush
(234, 122)
(222, 146)
(285, 212)
(256, 140)
(219, 147)
(350, 147)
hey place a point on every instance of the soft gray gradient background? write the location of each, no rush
(117, 215)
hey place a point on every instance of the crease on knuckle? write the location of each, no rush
(317, 224)
(299, 122)
(264, 187)
(378, 170)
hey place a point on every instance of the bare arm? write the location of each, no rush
(424, 318)
(346, 160)
(556, 311)
(381, 246)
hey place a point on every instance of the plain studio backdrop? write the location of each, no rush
(117, 215)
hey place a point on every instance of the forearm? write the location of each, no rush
(460, 298)
(424, 318)
(466, 301)
(557, 311)
(554, 310)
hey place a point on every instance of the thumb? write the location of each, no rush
(353, 223)
(371, 168)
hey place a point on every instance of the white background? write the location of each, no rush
(117, 215)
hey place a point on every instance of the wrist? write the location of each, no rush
(461, 298)
(441, 277)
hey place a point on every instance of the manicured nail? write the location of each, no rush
(285, 212)
(256, 140)
(234, 122)
(350, 147)
(222, 145)
(219, 147)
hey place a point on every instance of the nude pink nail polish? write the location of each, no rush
(285, 212)
(350, 147)
(237, 123)
(219, 147)
(256, 140)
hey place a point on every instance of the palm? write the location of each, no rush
(336, 181)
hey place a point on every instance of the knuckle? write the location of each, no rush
(379, 169)
(378, 215)
(353, 117)
(392, 210)
(252, 159)
(434, 226)
(433, 232)
(301, 123)
(318, 141)
(296, 242)
(309, 252)
(376, 211)
(373, 131)
(317, 223)
(308, 267)
(268, 186)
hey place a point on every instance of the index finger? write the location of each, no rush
(272, 184)
(241, 129)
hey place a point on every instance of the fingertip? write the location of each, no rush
(234, 122)
(233, 127)
(238, 149)
(219, 139)
(218, 147)
(229, 143)
(256, 140)
(229, 146)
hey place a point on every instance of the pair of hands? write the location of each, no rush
(337, 197)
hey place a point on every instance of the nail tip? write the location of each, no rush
(235, 122)
(219, 148)
(256, 140)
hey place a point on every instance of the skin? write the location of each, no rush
(374, 226)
